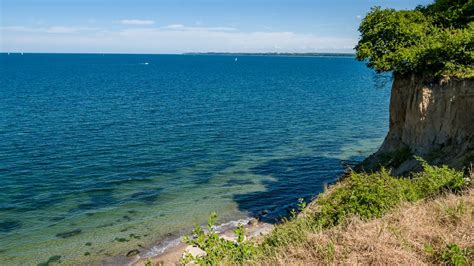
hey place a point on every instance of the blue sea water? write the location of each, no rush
(100, 154)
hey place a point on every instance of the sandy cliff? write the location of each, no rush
(434, 120)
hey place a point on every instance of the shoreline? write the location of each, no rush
(170, 252)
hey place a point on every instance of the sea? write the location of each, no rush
(101, 154)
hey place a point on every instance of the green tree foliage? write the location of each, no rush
(435, 40)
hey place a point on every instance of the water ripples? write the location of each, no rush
(100, 146)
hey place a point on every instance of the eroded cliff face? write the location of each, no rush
(434, 120)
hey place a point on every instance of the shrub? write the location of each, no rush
(372, 195)
(435, 178)
(362, 194)
(217, 248)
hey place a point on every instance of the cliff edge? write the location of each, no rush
(433, 120)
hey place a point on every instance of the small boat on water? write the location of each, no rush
(235, 60)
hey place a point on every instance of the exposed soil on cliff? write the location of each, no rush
(434, 120)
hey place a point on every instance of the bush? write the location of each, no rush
(372, 195)
(434, 178)
(365, 195)
(217, 248)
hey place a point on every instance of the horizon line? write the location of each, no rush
(187, 53)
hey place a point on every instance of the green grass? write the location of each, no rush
(360, 194)
(455, 255)
(452, 254)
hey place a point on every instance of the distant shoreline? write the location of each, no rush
(203, 53)
(278, 54)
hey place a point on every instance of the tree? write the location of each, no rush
(435, 40)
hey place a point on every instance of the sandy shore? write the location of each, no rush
(173, 255)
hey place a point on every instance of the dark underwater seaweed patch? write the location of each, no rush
(121, 239)
(9, 225)
(298, 177)
(105, 225)
(203, 177)
(104, 198)
(51, 259)
(147, 196)
(57, 219)
(97, 200)
(69, 233)
(29, 201)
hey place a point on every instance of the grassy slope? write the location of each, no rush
(366, 218)
(412, 234)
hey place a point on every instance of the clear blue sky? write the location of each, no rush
(175, 26)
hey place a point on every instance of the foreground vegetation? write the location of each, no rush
(352, 215)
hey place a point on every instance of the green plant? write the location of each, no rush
(329, 251)
(454, 255)
(365, 195)
(216, 248)
(435, 178)
(428, 248)
(292, 214)
(148, 262)
(301, 204)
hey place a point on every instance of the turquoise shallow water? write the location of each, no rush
(100, 154)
